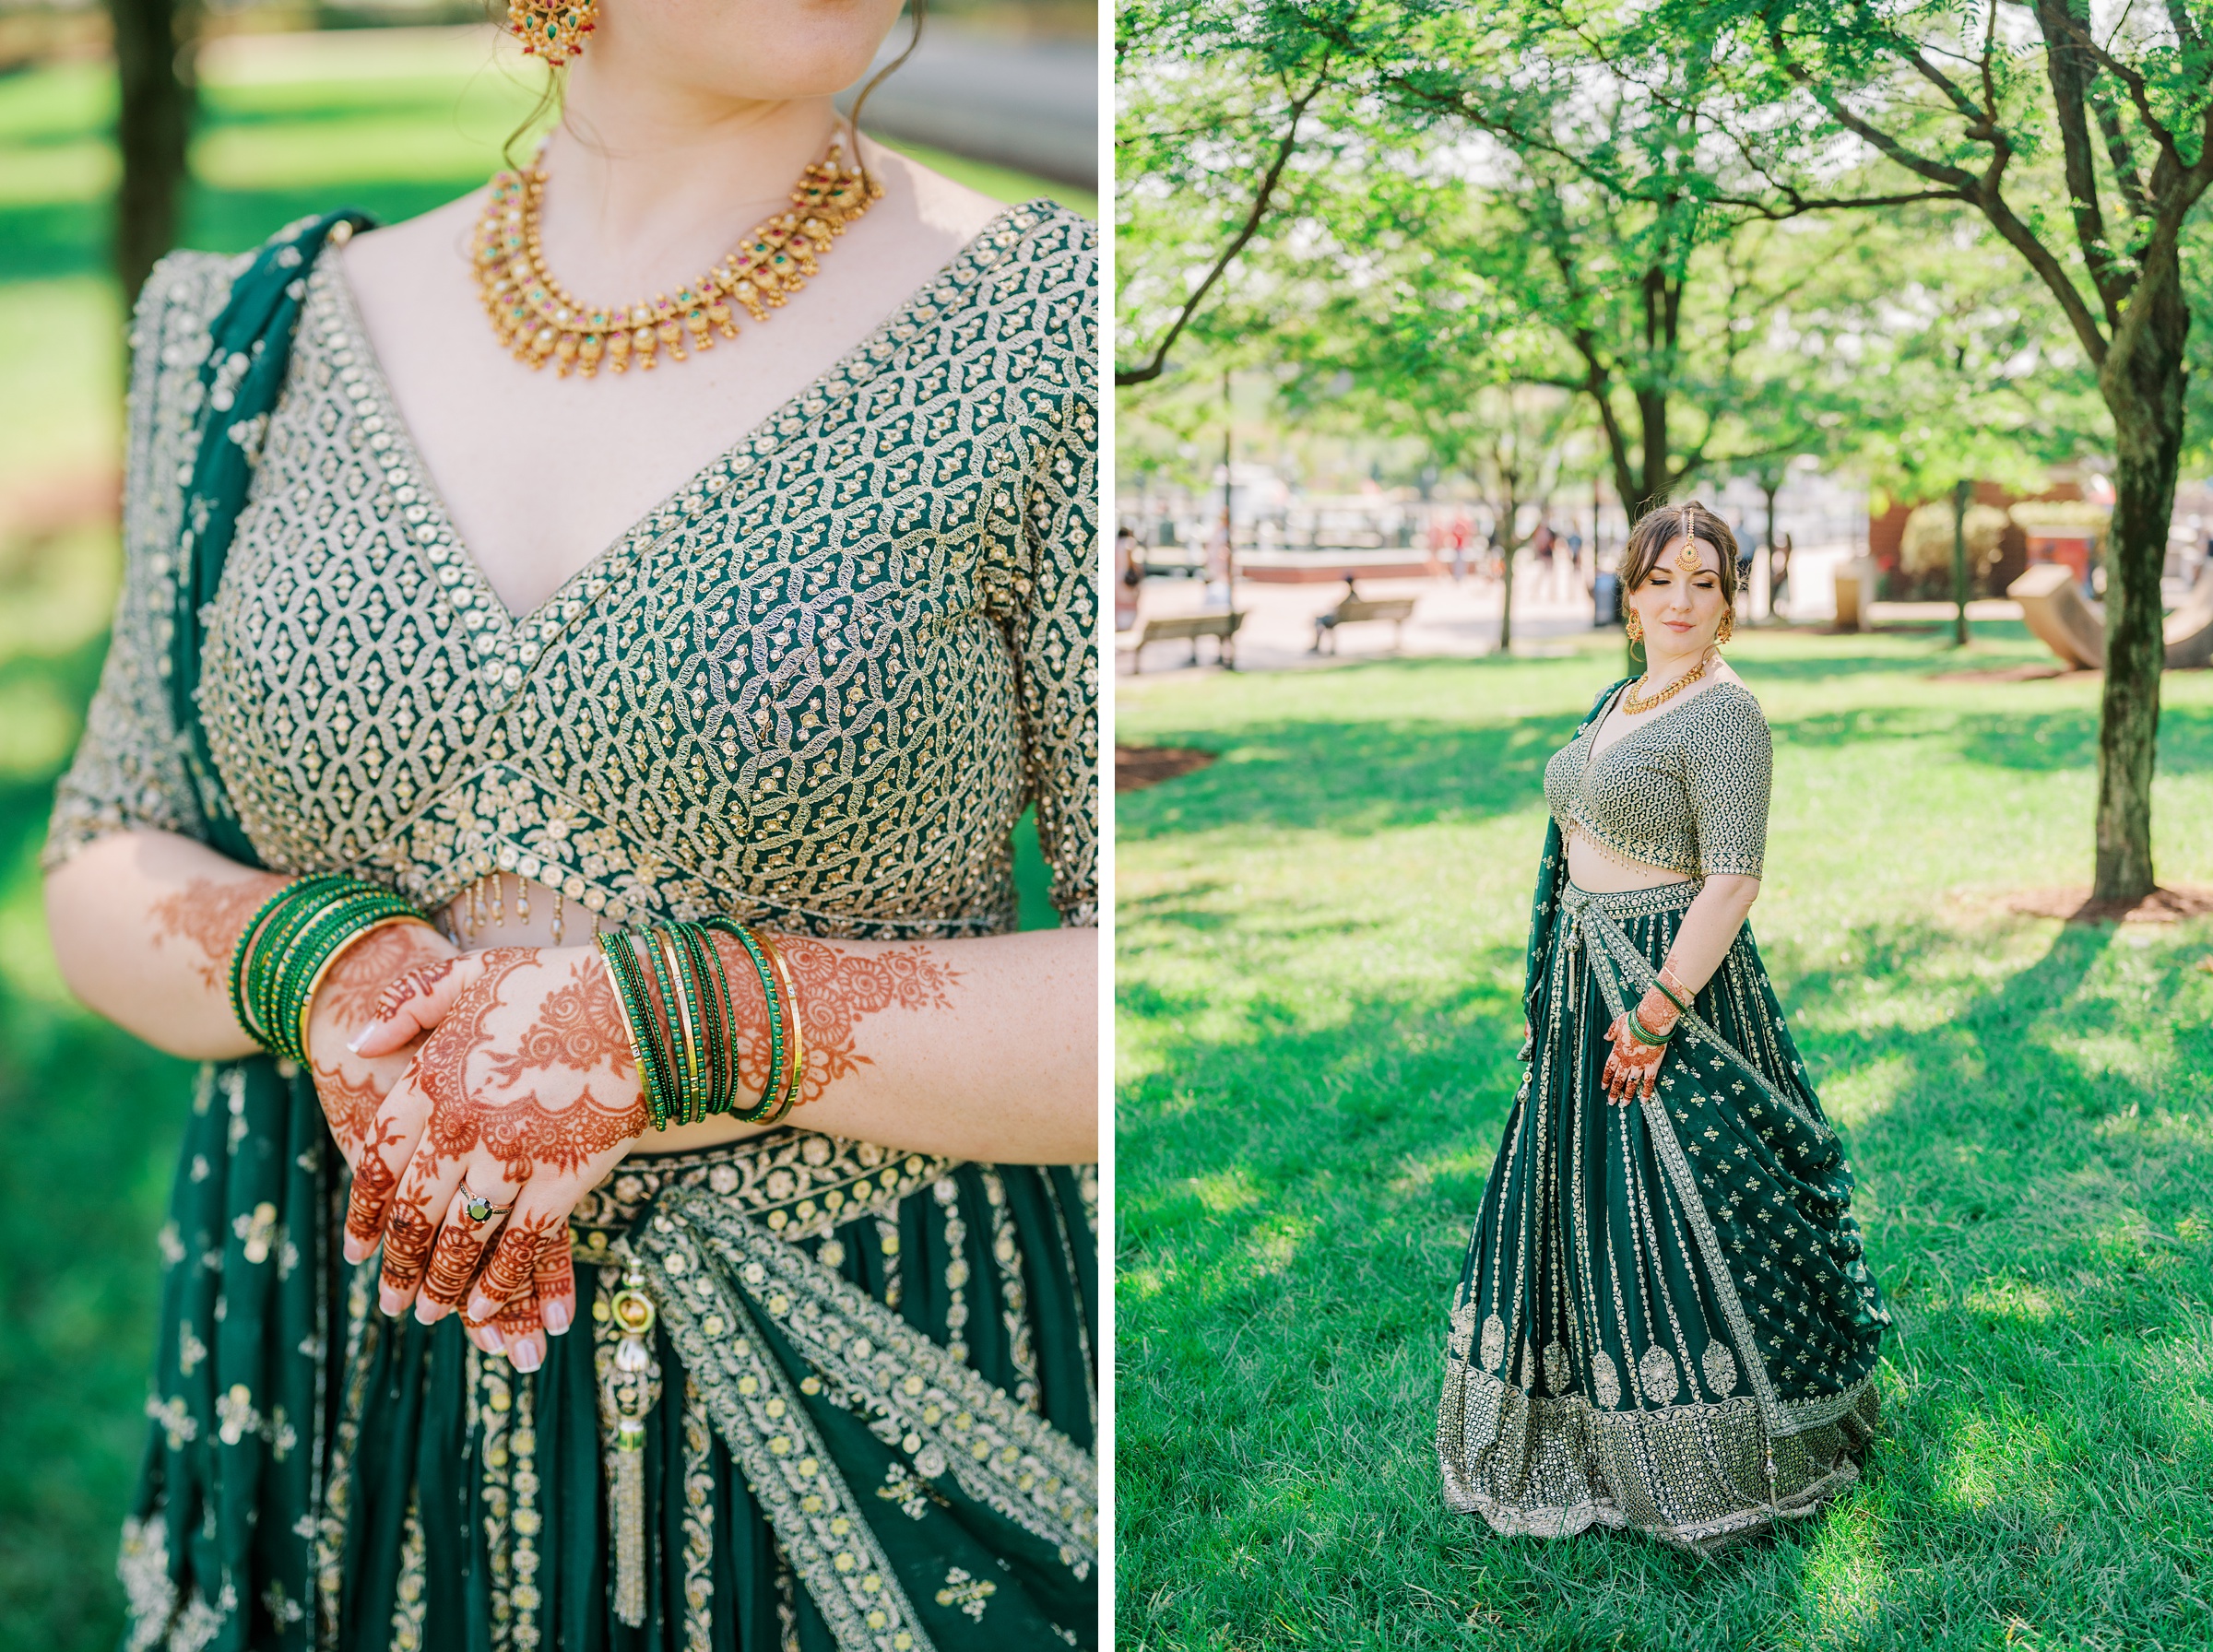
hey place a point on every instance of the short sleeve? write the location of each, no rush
(1053, 621)
(1731, 769)
(129, 772)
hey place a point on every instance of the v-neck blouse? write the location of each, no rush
(1686, 792)
(815, 688)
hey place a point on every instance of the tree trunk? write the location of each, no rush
(1651, 413)
(2143, 379)
(152, 127)
(1769, 493)
(1505, 576)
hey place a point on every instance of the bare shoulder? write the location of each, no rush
(393, 263)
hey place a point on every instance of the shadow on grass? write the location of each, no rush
(1292, 1205)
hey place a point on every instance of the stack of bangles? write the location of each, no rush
(1644, 1035)
(681, 1021)
(289, 946)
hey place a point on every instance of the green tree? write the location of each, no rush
(1962, 99)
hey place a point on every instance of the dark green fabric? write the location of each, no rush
(420, 1447)
(254, 1396)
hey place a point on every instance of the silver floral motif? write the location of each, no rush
(1657, 1372)
(1493, 1342)
(1605, 1384)
(1555, 1368)
(1720, 1368)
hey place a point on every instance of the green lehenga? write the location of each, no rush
(862, 640)
(1664, 1321)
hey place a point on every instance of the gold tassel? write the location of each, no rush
(522, 899)
(630, 1382)
(558, 914)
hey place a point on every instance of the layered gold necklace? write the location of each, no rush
(538, 319)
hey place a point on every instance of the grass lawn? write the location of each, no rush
(1319, 981)
(88, 1116)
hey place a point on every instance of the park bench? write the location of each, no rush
(1189, 628)
(1351, 610)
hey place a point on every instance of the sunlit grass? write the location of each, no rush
(1322, 939)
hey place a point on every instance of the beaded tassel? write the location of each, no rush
(630, 1382)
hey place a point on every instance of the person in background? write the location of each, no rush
(1217, 564)
(1130, 558)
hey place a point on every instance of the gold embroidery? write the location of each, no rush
(408, 1604)
(967, 1593)
(885, 645)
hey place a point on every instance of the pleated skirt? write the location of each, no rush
(1664, 1319)
(861, 1403)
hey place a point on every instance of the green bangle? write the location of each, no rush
(702, 965)
(288, 946)
(240, 949)
(311, 948)
(772, 1088)
(680, 987)
(639, 1022)
(1645, 1036)
(1660, 986)
(281, 913)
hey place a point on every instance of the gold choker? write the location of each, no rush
(538, 321)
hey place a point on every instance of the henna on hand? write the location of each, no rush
(538, 1107)
(209, 915)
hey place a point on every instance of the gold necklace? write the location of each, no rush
(538, 321)
(1631, 706)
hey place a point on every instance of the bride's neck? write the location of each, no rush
(650, 182)
(1665, 667)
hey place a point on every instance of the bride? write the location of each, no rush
(1664, 1321)
(525, 788)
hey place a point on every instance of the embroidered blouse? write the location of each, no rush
(815, 688)
(1685, 791)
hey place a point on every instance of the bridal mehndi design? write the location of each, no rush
(209, 914)
(559, 1099)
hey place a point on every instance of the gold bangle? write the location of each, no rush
(307, 999)
(797, 1039)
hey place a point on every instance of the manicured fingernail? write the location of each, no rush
(391, 1300)
(556, 1316)
(481, 1306)
(354, 1045)
(356, 1252)
(428, 1311)
(525, 1355)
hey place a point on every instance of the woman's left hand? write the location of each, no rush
(1633, 1069)
(525, 1092)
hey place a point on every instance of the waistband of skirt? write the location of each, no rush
(1631, 902)
(800, 1183)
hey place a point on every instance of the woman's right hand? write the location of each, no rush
(401, 958)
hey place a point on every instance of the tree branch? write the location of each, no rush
(1284, 150)
(2069, 79)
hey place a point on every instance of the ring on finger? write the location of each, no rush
(479, 1208)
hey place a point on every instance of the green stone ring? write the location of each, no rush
(479, 1208)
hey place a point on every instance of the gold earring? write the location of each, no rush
(554, 30)
(1634, 625)
(1728, 625)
